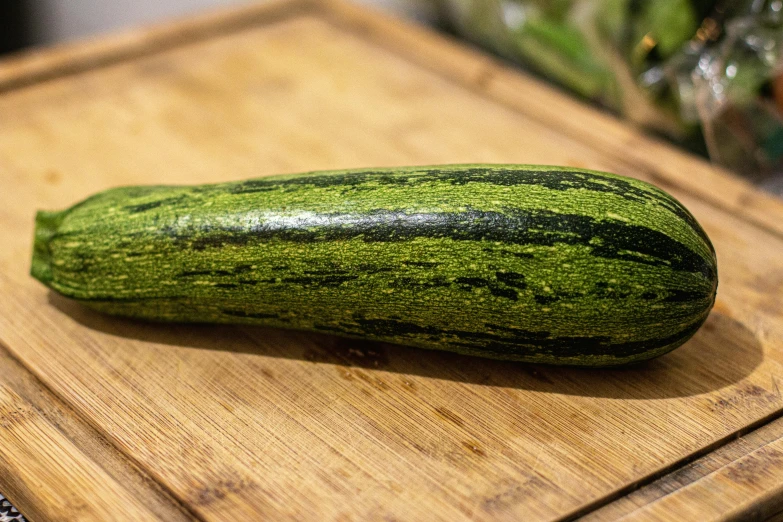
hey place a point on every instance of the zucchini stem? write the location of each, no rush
(46, 226)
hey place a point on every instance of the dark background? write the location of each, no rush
(14, 25)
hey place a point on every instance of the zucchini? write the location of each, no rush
(530, 263)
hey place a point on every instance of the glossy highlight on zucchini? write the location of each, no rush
(522, 262)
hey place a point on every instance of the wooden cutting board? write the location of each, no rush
(106, 418)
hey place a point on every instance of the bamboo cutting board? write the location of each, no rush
(106, 418)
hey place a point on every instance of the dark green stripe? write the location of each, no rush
(608, 239)
(356, 182)
(559, 180)
(509, 342)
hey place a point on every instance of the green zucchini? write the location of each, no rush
(531, 263)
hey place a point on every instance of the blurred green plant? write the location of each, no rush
(675, 66)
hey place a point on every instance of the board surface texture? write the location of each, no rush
(204, 422)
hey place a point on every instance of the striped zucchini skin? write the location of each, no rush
(532, 263)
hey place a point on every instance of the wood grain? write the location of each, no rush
(45, 465)
(89, 452)
(236, 423)
(742, 480)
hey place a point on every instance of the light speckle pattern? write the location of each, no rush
(533, 263)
